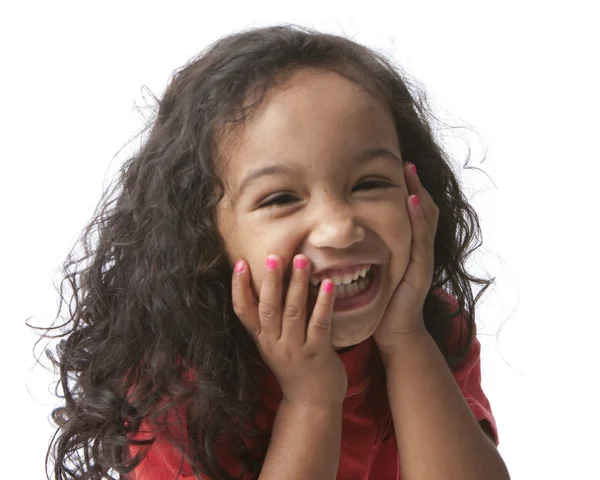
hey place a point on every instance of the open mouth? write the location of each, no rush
(358, 293)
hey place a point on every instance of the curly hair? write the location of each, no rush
(150, 290)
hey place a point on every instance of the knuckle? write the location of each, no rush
(239, 309)
(292, 311)
(255, 332)
(321, 324)
(287, 353)
(266, 344)
(266, 310)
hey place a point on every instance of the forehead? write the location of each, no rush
(314, 118)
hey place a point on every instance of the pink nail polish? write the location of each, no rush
(415, 201)
(300, 263)
(271, 263)
(414, 169)
(239, 266)
(327, 286)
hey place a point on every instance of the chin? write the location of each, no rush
(342, 341)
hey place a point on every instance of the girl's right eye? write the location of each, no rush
(278, 200)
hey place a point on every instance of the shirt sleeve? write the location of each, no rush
(468, 374)
(468, 378)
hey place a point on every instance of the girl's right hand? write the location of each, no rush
(302, 359)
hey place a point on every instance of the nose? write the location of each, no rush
(336, 228)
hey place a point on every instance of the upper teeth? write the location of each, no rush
(344, 279)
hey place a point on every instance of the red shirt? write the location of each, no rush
(368, 451)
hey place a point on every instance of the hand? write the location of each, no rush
(303, 359)
(404, 314)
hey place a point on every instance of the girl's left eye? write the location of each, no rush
(278, 200)
(371, 184)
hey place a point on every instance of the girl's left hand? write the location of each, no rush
(404, 314)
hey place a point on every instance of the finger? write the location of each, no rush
(293, 323)
(269, 302)
(319, 327)
(242, 297)
(430, 209)
(420, 269)
(412, 178)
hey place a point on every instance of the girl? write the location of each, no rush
(278, 285)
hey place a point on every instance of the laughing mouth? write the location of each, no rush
(349, 284)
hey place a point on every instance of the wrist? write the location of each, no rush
(316, 407)
(401, 343)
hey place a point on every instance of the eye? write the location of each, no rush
(372, 184)
(278, 200)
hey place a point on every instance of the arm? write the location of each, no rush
(305, 443)
(436, 433)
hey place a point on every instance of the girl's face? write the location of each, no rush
(318, 171)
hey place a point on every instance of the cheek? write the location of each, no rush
(250, 238)
(264, 241)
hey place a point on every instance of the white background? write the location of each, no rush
(522, 75)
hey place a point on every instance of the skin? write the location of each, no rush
(315, 126)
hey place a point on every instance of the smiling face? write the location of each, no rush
(318, 171)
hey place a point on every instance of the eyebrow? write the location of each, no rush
(284, 169)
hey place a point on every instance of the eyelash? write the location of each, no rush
(283, 199)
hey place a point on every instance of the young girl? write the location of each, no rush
(277, 286)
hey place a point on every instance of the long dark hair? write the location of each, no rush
(150, 288)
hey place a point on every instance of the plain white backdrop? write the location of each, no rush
(522, 76)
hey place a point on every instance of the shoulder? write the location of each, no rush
(459, 330)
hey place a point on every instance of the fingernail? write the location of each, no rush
(415, 201)
(414, 169)
(327, 286)
(300, 263)
(271, 263)
(239, 266)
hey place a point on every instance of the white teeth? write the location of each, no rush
(345, 291)
(343, 279)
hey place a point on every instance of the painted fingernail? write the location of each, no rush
(300, 263)
(271, 263)
(327, 286)
(414, 169)
(415, 201)
(239, 266)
